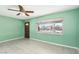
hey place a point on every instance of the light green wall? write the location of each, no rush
(70, 28)
(10, 28)
(78, 27)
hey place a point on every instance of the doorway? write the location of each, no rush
(27, 34)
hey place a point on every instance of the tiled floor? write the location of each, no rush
(26, 46)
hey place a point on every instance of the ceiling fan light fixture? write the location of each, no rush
(22, 10)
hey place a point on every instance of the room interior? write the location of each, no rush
(27, 29)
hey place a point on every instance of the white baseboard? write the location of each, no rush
(55, 44)
(12, 39)
(41, 41)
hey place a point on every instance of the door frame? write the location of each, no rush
(28, 36)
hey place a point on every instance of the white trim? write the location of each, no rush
(11, 39)
(55, 44)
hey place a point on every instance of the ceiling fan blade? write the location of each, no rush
(29, 11)
(20, 8)
(27, 14)
(18, 13)
(13, 10)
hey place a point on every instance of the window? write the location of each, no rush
(53, 26)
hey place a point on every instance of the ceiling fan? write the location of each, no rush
(21, 9)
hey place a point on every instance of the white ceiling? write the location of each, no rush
(39, 10)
